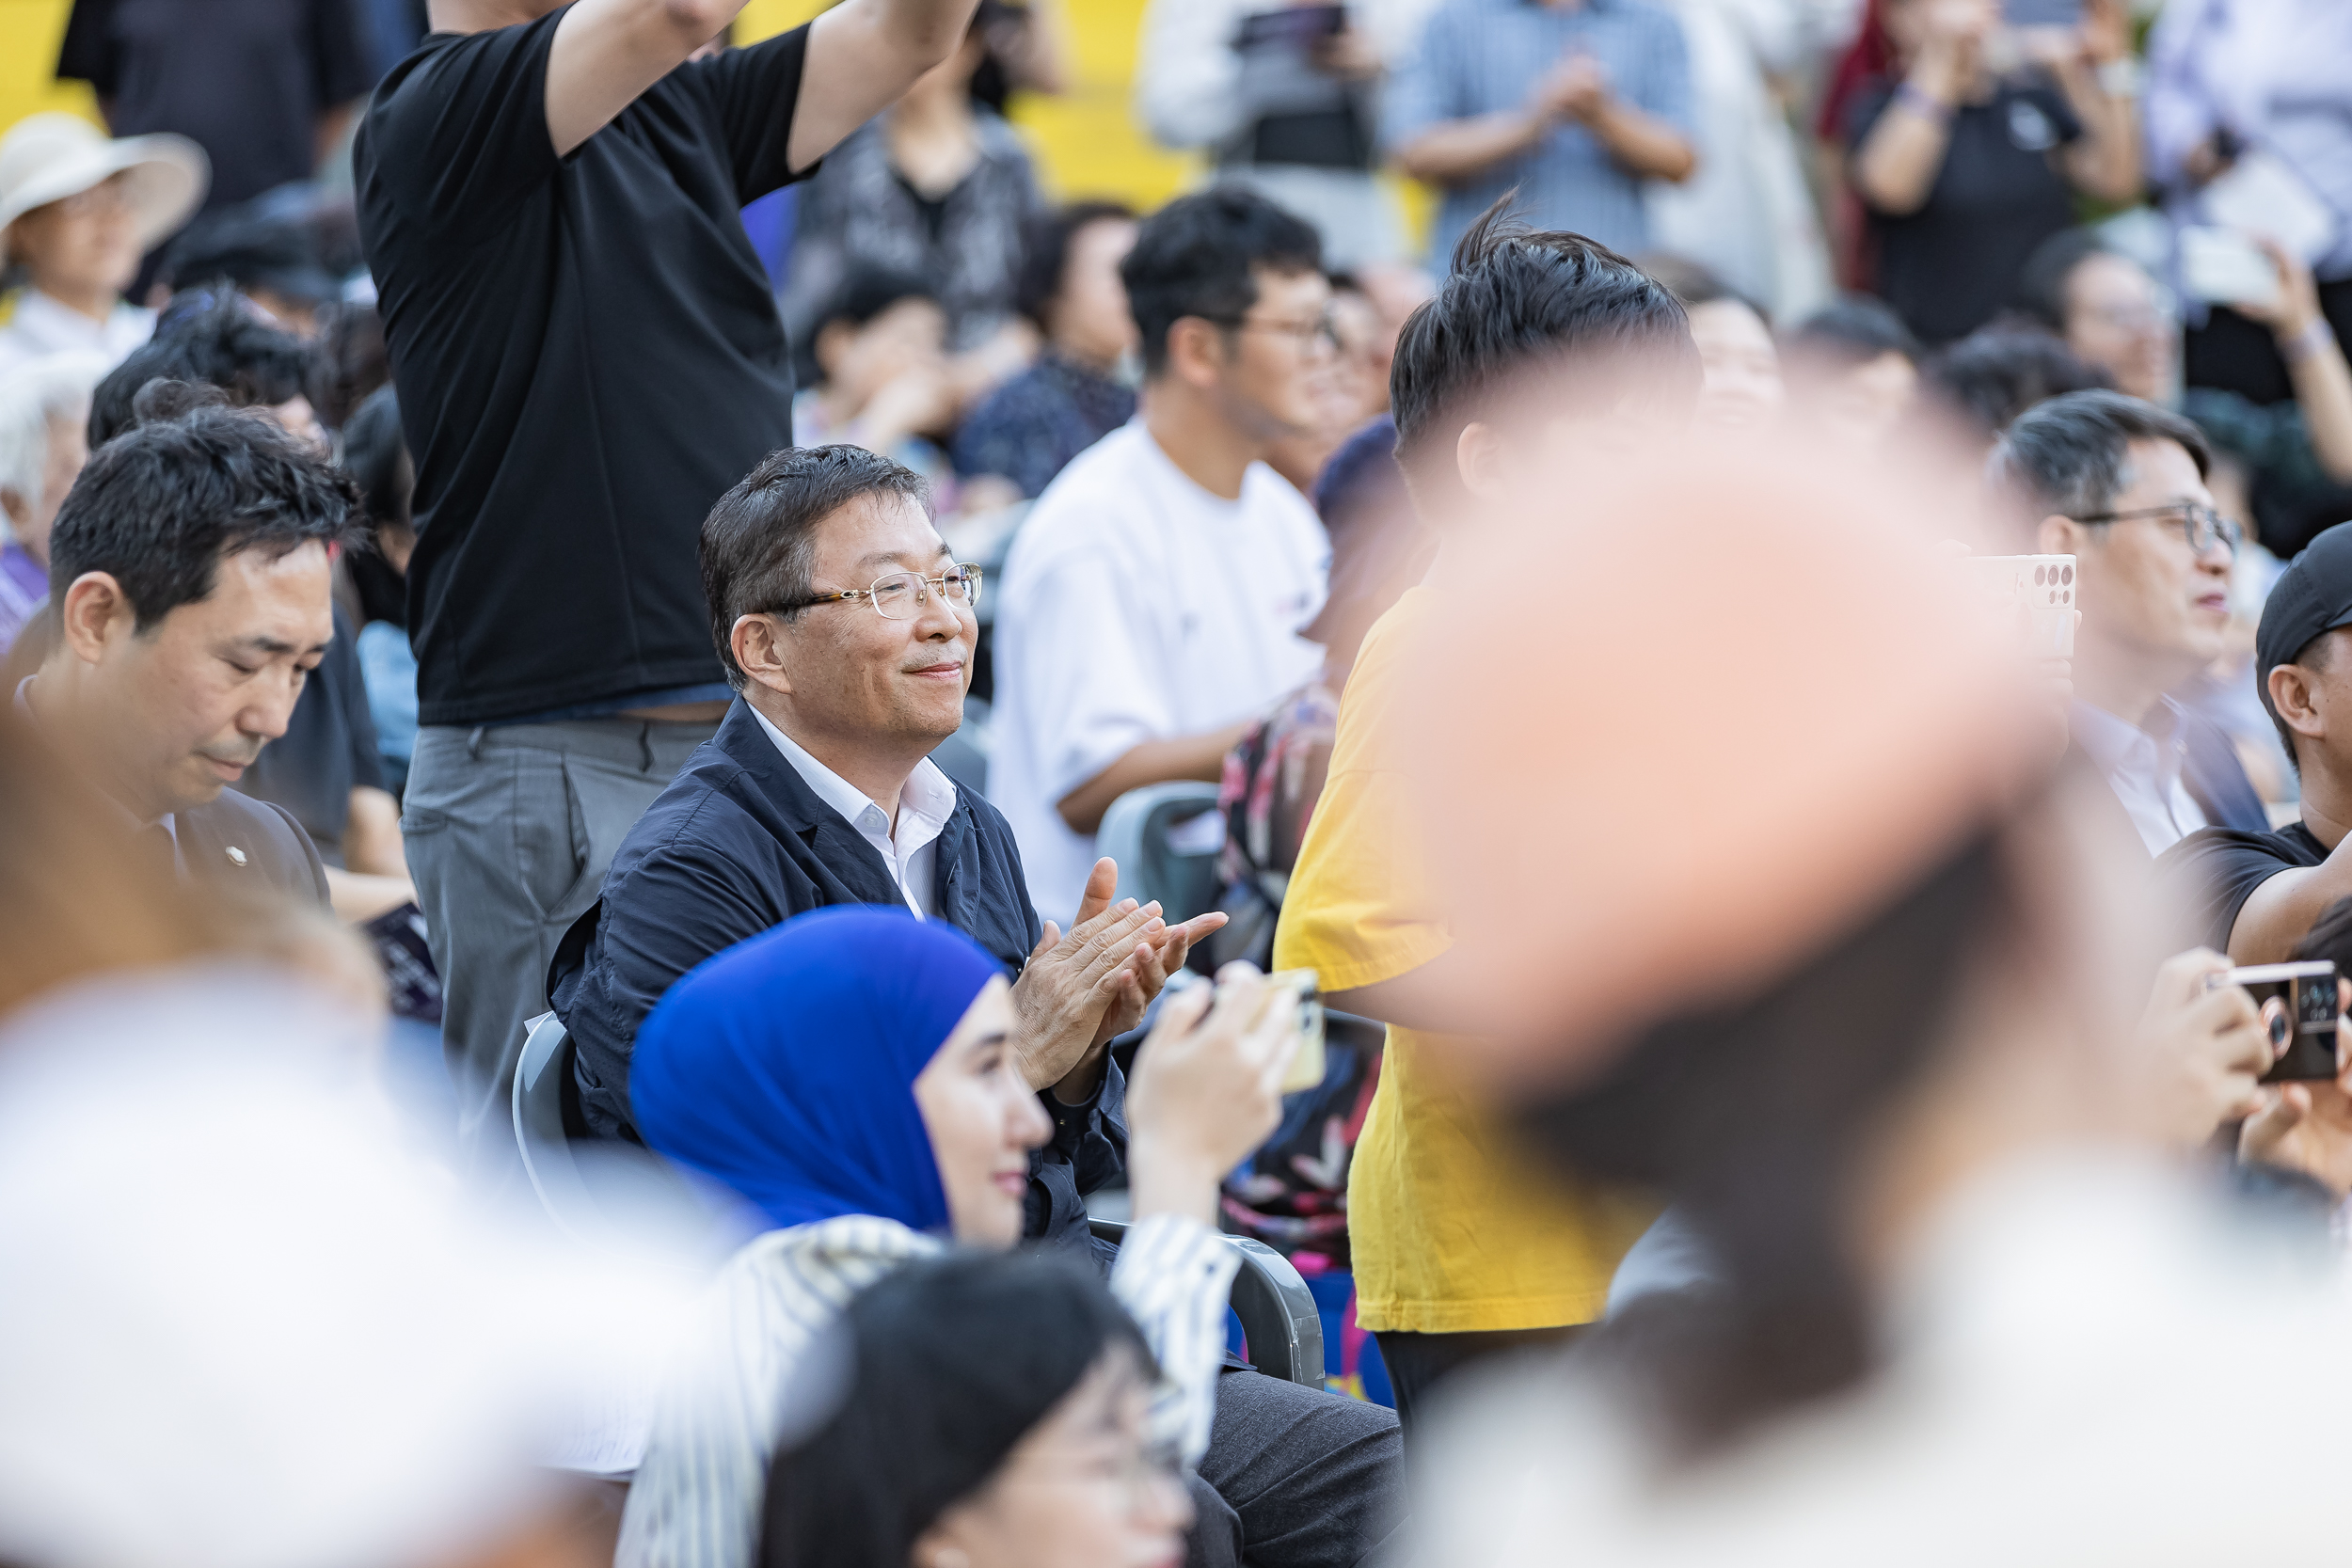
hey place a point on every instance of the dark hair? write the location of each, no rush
(1754, 1117)
(1854, 330)
(1200, 255)
(759, 541)
(352, 362)
(949, 1363)
(1045, 253)
(2042, 286)
(221, 344)
(1519, 300)
(376, 455)
(2068, 455)
(160, 505)
(868, 291)
(1695, 283)
(1996, 372)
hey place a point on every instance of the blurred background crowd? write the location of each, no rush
(517, 516)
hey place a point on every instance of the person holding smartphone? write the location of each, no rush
(1974, 153)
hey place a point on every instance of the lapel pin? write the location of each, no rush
(236, 856)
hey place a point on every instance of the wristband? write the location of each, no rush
(1923, 104)
(2317, 337)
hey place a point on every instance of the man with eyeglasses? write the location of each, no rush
(848, 631)
(2119, 484)
(1152, 600)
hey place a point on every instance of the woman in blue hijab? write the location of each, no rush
(851, 1061)
(851, 1075)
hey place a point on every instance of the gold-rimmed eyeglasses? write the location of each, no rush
(899, 596)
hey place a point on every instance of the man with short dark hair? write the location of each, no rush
(222, 342)
(2119, 484)
(1536, 345)
(1152, 599)
(188, 580)
(2255, 891)
(848, 631)
(588, 355)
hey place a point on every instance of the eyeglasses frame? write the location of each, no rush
(2195, 518)
(872, 593)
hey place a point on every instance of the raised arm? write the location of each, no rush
(607, 51)
(861, 56)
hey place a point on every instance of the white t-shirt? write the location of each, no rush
(1138, 607)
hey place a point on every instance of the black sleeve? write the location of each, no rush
(672, 910)
(2052, 101)
(2213, 872)
(338, 62)
(758, 92)
(90, 53)
(1087, 1152)
(463, 134)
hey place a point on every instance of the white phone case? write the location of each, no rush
(2040, 590)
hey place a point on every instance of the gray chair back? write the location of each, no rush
(1135, 833)
(1277, 1310)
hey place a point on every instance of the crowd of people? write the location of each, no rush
(985, 755)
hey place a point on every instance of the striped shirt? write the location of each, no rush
(1485, 57)
(695, 1502)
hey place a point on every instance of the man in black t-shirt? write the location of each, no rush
(265, 86)
(2256, 895)
(588, 356)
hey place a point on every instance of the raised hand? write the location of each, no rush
(1207, 1089)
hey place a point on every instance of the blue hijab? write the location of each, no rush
(785, 1067)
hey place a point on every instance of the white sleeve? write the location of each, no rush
(1174, 1276)
(1085, 672)
(1187, 78)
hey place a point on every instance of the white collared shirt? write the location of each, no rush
(926, 800)
(40, 326)
(2143, 768)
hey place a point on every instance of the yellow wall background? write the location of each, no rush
(1086, 141)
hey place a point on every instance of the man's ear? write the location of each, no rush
(2060, 535)
(1482, 456)
(94, 610)
(1196, 351)
(757, 643)
(2292, 694)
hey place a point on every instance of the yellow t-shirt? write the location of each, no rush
(1453, 1230)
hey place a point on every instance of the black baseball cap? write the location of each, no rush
(2312, 596)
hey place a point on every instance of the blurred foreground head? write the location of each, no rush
(1760, 892)
(245, 1325)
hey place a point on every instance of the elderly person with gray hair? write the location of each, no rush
(43, 408)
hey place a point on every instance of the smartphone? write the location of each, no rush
(2224, 267)
(2039, 591)
(2297, 1002)
(1306, 1065)
(2042, 13)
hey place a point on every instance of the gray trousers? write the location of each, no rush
(1295, 1478)
(510, 831)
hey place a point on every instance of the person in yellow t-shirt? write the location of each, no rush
(1464, 1247)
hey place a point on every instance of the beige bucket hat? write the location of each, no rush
(46, 158)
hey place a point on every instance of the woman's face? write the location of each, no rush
(1078, 1491)
(1742, 389)
(85, 244)
(984, 1118)
(1091, 324)
(859, 361)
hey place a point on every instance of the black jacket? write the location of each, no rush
(238, 841)
(739, 843)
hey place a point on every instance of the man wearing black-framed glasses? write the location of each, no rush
(2119, 484)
